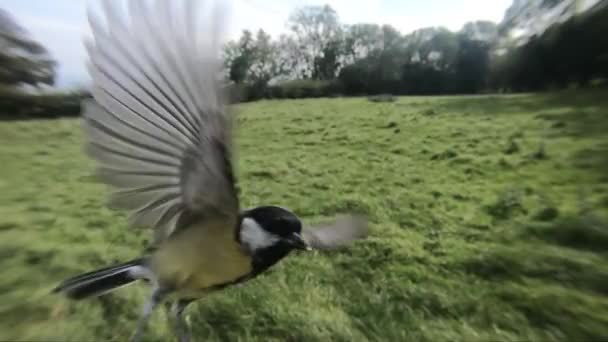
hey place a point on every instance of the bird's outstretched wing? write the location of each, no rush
(344, 231)
(157, 126)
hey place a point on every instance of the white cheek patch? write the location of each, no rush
(255, 237)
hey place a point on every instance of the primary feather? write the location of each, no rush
(343, 231)
(157, 126)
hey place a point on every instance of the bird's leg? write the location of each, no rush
(184, 334)
(155, 298)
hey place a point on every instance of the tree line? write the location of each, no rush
(26, 65)
(574, 52)
(321, 57)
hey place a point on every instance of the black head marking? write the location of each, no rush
(280, 222)
(276, 220)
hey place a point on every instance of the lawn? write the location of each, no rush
(489, 221)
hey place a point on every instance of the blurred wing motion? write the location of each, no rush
(342, 232)
(158, 127)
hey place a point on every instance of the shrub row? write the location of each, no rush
(20, 105)
(295, 89)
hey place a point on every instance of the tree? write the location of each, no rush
(289, 54)
(441, 50)
(254, 60)
(380, 70)
(239, 57)
(23, 61)
(422, 45)
(472, 64)
(360, 40)
(315, 30)
(268, 64)
(573, 51)
(328, 63)
(483, 30)
(371, 59)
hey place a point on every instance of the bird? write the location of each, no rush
(160, 131)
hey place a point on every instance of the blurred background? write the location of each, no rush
(474, 133)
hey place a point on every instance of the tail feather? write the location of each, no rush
(103, 280)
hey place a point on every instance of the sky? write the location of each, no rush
(60, 25)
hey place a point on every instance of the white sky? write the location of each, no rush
(61, 24)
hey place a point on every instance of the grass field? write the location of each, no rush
(489, 222)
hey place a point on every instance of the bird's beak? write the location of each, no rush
(295, 240)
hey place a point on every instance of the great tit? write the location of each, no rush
(160, 132)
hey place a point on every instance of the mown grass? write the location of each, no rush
(489, 222)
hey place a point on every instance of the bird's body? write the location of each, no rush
(162, 139)
(200, 258)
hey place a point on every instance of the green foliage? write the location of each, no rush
(304, 89)
(253, 60)
(442, 64)
(15, 104)
(366, 58)
(317, 33)
(573, 52)
(239, 57)
(294, 89)
(327, 65)
(370, 59)
(23, 61)
(438, 265)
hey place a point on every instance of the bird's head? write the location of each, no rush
(271, 229)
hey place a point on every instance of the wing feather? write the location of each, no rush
(129, 128)
(131, 53)
(157, 126)
(345, 230)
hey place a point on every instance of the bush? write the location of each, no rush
(382, 98)
(355, 79)
(15, 104)
(305, 89)
(295, 89)
(236, 93)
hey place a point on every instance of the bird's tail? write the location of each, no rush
(103, 280)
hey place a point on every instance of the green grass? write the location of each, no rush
(489, 222)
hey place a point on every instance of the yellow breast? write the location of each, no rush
(200, 257)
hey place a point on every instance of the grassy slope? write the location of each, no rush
(479, 233)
